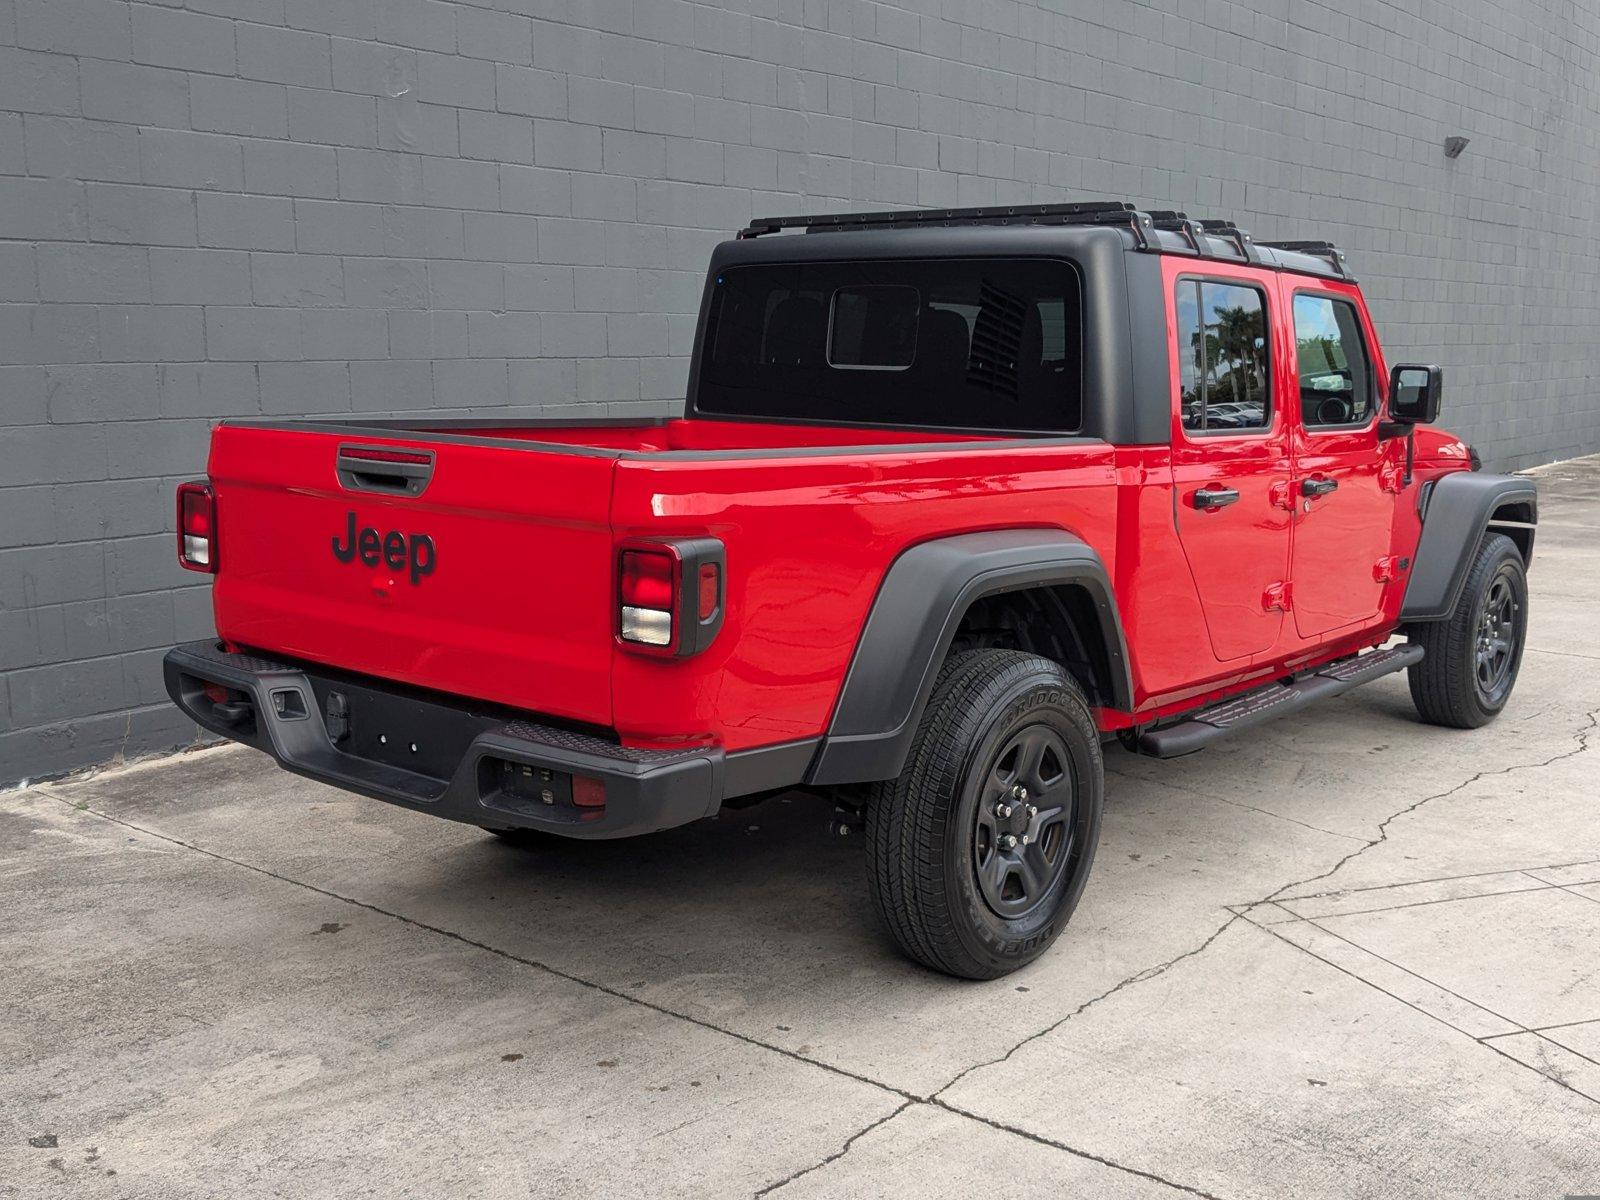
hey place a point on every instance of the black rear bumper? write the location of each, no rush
(440, 756)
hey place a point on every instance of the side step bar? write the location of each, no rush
(1241, 712)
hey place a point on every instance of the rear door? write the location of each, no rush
(1345, 478)
(474, 566)
(1230, 453)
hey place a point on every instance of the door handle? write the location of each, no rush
(1319, 486)
(1207, 499)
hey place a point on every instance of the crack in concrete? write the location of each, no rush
(1139, 977)
(1383, 835)
(908, 1098)
(1582, 736)
(837, 1154)
(934, 1099)
(605, 989)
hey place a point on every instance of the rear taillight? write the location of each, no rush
(669, 595)
(197, 527)
(648, 589)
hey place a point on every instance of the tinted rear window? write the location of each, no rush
(989, 344)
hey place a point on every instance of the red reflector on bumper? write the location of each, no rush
(587, 792)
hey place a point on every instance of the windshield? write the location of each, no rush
(990, 344)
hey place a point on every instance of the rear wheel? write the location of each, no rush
(979, 851)
(1473, 655)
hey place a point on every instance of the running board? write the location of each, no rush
(1274, 700)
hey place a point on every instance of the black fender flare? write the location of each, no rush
(1457, 509)
(913, 620)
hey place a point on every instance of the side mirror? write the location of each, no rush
(1414, 394)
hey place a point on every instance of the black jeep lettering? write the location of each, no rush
(414, 553)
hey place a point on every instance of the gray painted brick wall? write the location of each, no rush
(225, 207)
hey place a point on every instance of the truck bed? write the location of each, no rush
(517, 603)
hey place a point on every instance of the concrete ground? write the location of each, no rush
(1347, 956)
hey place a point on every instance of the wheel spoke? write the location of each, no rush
(1031, 759)
(993, 872)
(1035, 871)
(1000, 780)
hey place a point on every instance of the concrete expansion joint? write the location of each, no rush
(1237, 911)
(1581, 736)
(908, 1100)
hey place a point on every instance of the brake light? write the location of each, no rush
(197, 527)
(417, 458)
(669, 594)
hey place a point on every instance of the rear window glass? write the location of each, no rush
(990, 344)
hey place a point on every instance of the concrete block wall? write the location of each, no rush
(216, 208)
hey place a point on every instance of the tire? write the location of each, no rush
(952, 892)
(1472, 657)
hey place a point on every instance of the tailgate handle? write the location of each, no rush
(389, 470)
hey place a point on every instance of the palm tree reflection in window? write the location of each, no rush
(1223, 377)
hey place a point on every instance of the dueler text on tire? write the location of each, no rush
(1473, 655)
(979, 851)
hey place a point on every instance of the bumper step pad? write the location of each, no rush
(1274, 700)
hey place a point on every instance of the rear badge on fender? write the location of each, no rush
(398, 551)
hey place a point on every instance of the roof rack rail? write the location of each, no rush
(1144, 225)
(1174, 221)
(1239, 237)
(1323, 250)
(1085, 212)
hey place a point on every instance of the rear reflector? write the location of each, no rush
(710, 589)
(197, 526)
(587, 792)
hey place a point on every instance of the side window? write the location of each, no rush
(1223, 375)
(1335, 373)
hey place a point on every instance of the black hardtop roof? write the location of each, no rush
(1152, 231)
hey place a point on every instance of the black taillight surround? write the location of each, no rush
(690, 634)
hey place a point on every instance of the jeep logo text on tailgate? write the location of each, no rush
(394, 549)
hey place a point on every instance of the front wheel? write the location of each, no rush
(1472, 657)
(979, 851)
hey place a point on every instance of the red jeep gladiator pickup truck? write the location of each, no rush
(956, 497)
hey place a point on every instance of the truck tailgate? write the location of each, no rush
(492, 581)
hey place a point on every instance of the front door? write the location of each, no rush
(1230, 457)
(1345, 481)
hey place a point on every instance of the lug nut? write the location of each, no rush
(1019, 792)
(1008, 842)
(1026, 839)
(1002, 810)
(1033, 812)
